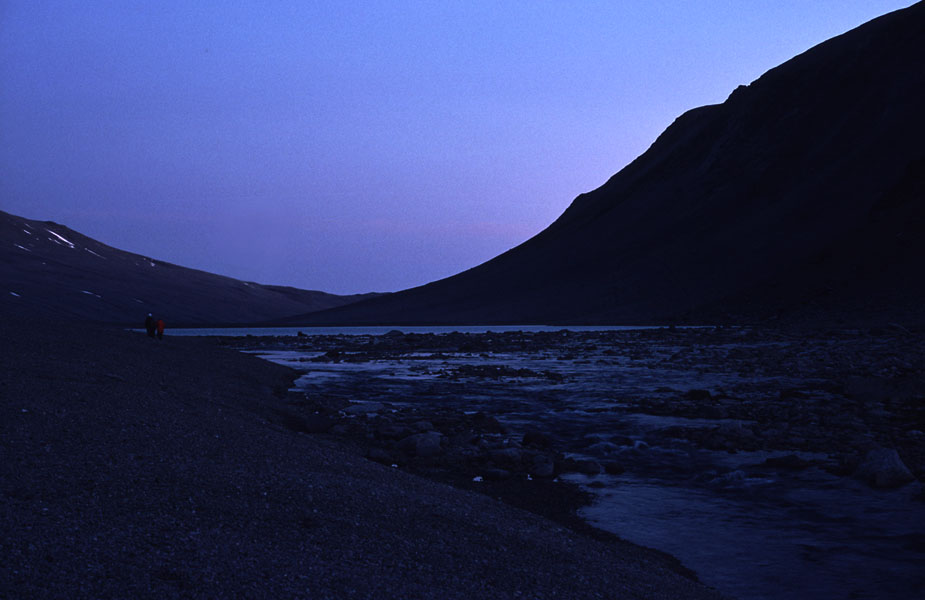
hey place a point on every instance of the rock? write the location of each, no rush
(487, 424)
(496, 474)
(488, 443)
(589, 467)
(394, 431)
(698, 395)
(714, 412)
(462, 457)
(614, 468)
(422, 426)
(579, 465)
(543, 466)
(422, 444)
(603, 448)
(363, 408)
(733, 436)
(507, 456)
(380, 455)
(465, 438)
(537, 439)
(732, 478)
(883, 468)
(841, 465)
(791, 462)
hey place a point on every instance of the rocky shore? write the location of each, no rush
(136, 468)
(851, 398)
(773, 424)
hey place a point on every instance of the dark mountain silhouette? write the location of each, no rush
(48, 269)
(800, 196)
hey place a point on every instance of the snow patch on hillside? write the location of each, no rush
(63, 239)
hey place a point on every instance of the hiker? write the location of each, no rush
(160, 329)
(149, 325)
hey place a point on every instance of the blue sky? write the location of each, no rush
(357, 146)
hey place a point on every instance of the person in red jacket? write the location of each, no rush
(160, 329)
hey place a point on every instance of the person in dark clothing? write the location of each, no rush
(160, 329)
(149, 325)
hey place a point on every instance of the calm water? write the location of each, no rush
(380, 330)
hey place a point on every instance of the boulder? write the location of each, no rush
(614, 468)
(790, 462)
(537, 439)
(380, 455)
(542, 466)
(507, 456)
(422, 444)
(622, 440)
(394, 431)
(882, 468)
(730, 479)
(589, 467)
(603, 448)
(698, 395)
(579, 465)
(487, 423)
(496, 474)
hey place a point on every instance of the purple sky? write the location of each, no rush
(357, 146)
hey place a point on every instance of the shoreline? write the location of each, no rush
(732, 416)
(133, 467)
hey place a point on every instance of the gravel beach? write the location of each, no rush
(136, 468)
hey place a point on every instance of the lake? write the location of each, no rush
(383, 329)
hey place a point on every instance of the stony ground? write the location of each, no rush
(136, 468)
(836, 394)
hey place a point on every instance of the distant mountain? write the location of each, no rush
(49, 269)
(801, 196)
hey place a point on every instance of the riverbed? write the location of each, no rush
(735, 450)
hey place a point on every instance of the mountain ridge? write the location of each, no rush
(48, 269)
(726, 215)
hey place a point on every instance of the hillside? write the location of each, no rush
(800, 196)
(49, 269)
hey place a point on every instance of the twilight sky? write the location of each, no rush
(357, 146)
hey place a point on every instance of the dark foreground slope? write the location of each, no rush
(135, 468)
(49, 269)
(800, 195)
